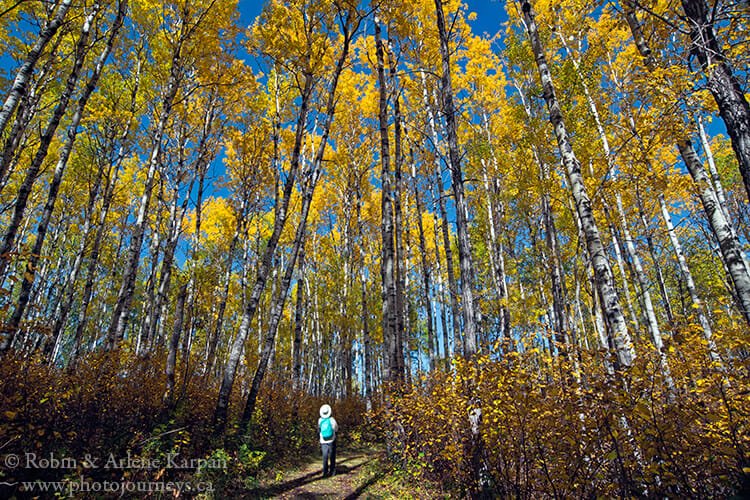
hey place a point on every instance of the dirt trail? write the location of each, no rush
(352, 480)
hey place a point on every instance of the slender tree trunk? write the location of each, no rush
(24, 73)
(121, 310)
(32, 172)
(426, 293)
(564, 327)
(214, 340)
(618, 246)
(298, 321)
(728, 242)
(497, 260)
(368, 376)
(439, 195)
(698, 307)
(648, 306)
(440, 293)
(149, 314)
(57, 178)
(724, 86)
(705, 42)
(462, 225)
(280, 217)
(388, 266)
(656, 265)
(602, 271)
(716, 182)
(179, 313)
(402, 314)
(19, 134)
(96, 246)
(311, 179)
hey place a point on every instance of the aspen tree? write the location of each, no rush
(465, 257)
(721, 228)
(23, 76)
(281, 208)
(402, 313)
(111, 180)
(169, 371)
(440, 197)
(64, 155)
(426, 286)
(184, 40)
(564, 325)
(298, 321)
(20, 136)
(349, 20)
(388, 265)
(31, 175)
(723, 84)
(688, 277)
(602, 271)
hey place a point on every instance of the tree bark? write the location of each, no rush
(32, 172)
(365, 318)
(218, 328)
(24, 73)
(603, 274)
(19, 133)
(96, 246)
(728, 243)
(465, 257)
(724, 86)
(388, 266)
(179, 313)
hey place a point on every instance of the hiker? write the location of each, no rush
(327, 428)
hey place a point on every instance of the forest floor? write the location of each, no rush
(361, 473)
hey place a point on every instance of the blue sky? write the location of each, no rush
(489, 14)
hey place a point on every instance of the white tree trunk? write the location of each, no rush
(604, 279)
(24, 73)
(688, 277)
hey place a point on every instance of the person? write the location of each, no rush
(327, 428)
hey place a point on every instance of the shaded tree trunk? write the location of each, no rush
(298, 322)
(179, 313)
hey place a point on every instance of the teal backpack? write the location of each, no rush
(326, 429)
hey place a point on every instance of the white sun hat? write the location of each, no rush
(325, 411)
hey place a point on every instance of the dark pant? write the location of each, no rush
(329, 458)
